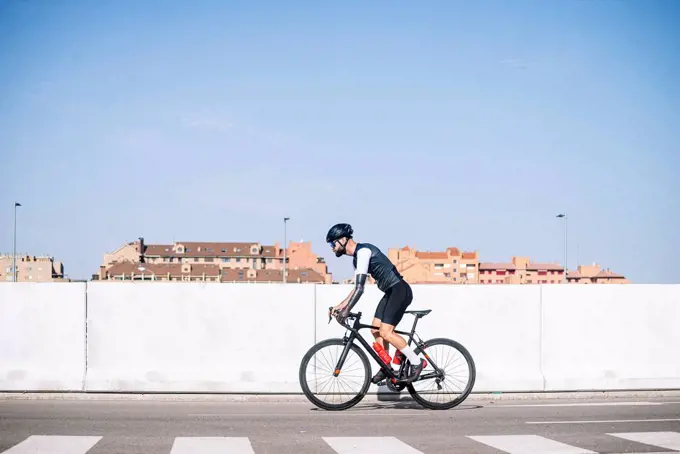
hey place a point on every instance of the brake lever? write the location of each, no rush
(330, 314)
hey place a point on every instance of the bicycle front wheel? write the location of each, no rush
(329, 392)
(454, 386)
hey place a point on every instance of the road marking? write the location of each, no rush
(54, 444)
(311, 413)
(668, 440)
(369, 445)
(603, 421)
(584, 404)
(528, 444)
(212, 445)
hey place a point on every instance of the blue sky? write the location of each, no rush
(432, 124)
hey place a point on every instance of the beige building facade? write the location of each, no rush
(213, 261)
(593, 274)
(455, 267)
(447, 267)
(31, 268)
(520, 271)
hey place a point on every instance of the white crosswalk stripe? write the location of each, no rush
(54, 444)
(212, 445)
(529, 444)
(513, 444)
(369, 445)
(668, 440)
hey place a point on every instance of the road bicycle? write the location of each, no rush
(346, 363)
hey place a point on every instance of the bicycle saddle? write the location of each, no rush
(419, 313)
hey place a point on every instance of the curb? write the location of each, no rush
(370, 397)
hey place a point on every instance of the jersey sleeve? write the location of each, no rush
(363, 258)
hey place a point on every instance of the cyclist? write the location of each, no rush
(368, 259)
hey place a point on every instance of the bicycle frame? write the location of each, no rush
(354, 334)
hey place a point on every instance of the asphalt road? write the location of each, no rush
(477, 426)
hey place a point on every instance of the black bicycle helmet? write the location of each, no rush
(339, 231)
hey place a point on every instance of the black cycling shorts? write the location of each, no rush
(392, 306)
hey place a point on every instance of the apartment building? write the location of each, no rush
(455, 267)
(447, 267)
(520, 271)
(188, 272)
(213, 262)
(593, 274)
(31, 268)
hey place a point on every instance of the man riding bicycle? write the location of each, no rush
(368, 259)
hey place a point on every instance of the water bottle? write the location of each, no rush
(382, 353)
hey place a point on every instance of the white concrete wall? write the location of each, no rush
(611, 337)
(251, 338)
(42, 336)
(499, 326)
(197, 337)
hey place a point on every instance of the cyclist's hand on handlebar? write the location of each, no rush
(341, 311)
(342, 315)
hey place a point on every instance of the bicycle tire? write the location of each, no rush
(468, 389)
(324, 405)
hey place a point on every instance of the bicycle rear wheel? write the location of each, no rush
(453, 388)
(352, 382)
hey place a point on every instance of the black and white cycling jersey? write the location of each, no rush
(368, 259)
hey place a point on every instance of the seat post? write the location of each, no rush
(415, 322)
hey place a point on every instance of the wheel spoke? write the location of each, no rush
(322, 387)
(446, 355)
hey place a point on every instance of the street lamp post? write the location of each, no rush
(14, 250)
(565, 245)
(285, 240)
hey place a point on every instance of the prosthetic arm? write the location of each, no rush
(360, 276)
(359, 282)
(353, 299)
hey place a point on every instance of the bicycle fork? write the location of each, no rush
(343, 356)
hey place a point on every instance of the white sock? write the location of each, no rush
(412, 357)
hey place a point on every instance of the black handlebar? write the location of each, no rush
(349, 315)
